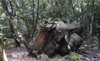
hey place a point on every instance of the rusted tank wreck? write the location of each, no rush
(59, 38)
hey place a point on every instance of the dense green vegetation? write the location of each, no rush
(26, 14)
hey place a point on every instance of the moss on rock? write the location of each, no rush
(73, 56)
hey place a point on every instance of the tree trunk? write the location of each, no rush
(99, 34)
(3, 56)
(15, 27)
(14, 37)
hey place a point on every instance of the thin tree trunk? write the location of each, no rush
(14, 36)
(12, 30)
(37, 12)
(33, 19)
(87, 23)
(99, 36)
(1, 49)
(16, 29)
(3, 56)
(92, 18)
(37, 18)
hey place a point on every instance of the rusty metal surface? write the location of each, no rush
(56, 39)
(39, 41)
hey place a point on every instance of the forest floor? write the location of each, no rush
(20, 54)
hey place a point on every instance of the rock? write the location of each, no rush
(73, 56)
(57, 56)
(44, 57)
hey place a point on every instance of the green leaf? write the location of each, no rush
(1, 34)
(3, 27)
(0, 25)
(3, 15)
(4, 43)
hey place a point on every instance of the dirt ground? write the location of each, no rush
(20, 54)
